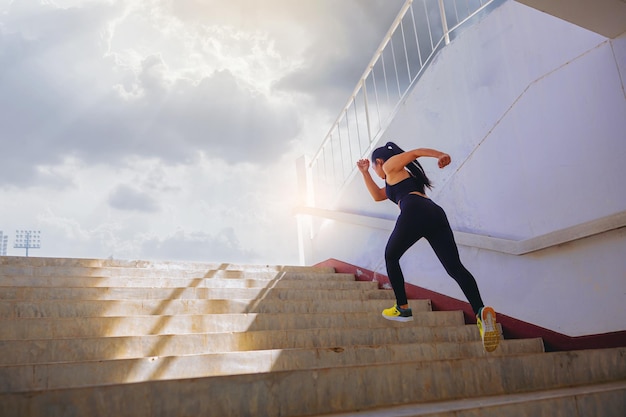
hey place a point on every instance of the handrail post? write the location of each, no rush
(367, 119)
(306, 198)
(444, 22)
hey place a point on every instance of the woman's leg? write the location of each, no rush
(441, 239)
(405, 233)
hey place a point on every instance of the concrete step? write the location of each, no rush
(79, 374)
(54, 328)
(329, 390)
(38, 351)
(157, 272)
(59, 263)
(311, 282)
(130, 293)
(605, 400)
(109, 308)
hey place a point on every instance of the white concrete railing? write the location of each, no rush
(511, 247)
(419, 31)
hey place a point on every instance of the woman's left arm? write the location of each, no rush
(397, 162)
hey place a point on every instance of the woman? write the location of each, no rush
(405, 185)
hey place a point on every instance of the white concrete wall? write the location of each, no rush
(532, 110)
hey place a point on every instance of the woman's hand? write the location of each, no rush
(363, 165)
(377, 193)
(444, 160)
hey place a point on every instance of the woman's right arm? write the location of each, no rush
(378, 193)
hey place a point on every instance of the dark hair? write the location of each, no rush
(415, 169)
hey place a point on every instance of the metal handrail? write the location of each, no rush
(407, 49)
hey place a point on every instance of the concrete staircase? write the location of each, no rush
(134, 338)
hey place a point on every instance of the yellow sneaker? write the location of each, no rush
(486, 322)
(396, 313)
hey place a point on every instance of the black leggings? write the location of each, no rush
(421, 217)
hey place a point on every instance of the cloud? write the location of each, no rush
(218, 115)
(125, 197)
(111, 80)
(66, 96)
(331, 65)
(170, 129)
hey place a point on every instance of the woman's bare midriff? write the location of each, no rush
(416, 193)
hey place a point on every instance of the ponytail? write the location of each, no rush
(415, 168)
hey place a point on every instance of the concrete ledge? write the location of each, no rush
(511, 247)
(606, 17)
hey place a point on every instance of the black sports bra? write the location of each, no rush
(396, 191)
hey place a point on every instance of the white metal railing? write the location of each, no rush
(419, 31)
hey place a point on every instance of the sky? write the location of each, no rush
(170, 129)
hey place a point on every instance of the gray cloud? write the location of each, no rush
(46, 65)
(347, 40)
(124, 197)
(218, 116)
(334, 39)
(59, 96)
(59, 101)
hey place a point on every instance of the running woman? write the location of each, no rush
(405, 185)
